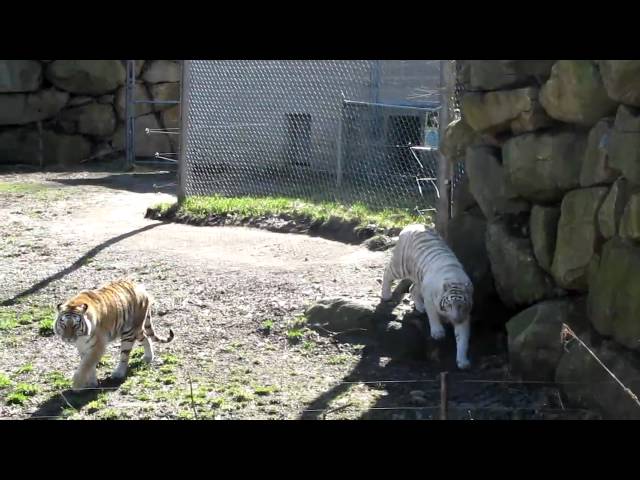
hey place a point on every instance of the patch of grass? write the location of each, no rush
(169, 359)
(168, 379)
(266, 327)
(26, 368)
(167, 369)
(16, 399)
(5, 381)
(239, 394)
(26, 389)
(98, 404)
(201, 207)
(58, 380)
(10, 319)
(45, 328)
(338, 359)
(264, 390)
(296, 330)
(110, 414)
(20, 187)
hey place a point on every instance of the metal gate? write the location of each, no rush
(349, 131)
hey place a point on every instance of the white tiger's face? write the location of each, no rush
(72, 322)
(456, 301)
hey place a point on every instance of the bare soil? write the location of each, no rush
(232, 295)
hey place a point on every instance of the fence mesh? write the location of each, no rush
(349, 131)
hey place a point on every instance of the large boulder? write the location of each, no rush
(574, 93)
(586, 383)
(498, 74)
(612, 208)
(140, 93)
(488, 185)
(171, 117)
(61, 149)
(596, 169)
(165, 92)
(162, 71)
(20, 76)
(543, 225)
(516, 110)
(614, 295)
(92, 119)
(339, 314)
(89, 77)
(624, 153)
(518, 278)
(630, 221)
(145, 145)
(542, 167)
(578, 237)
(23, 108)
(462, 198)
(535, 336)
(466, 238)
(457, 137)
(20, 145)
(622, 80)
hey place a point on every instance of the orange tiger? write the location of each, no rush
(94, 318)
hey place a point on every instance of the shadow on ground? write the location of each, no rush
(153, 182)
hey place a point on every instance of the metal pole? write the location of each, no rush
(339, 154)
(444, 400)
(183, 106)
(443, 213)
(130, 140)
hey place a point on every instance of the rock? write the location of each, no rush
(578, 237)
(60, 149)
(542, 167)
(535, 336)
(165, 92)
(141, 93)
(543, 225)
(462, 198)
(22, 108)
(20, 76)
(162, 71)
(466, 238)
(78, 101)
(20, 145)
(487, 183)
(587, 384)
(379, 243)
(596, 169)
(404, 340)
(93, 119)
(498, 74)
(575, 93)
(624, 152)
(146, 145)
(614, 296)
(89, 77)
(630, 222)
(518, 278)
(339, 315)
(171, 117)
(621, 79)
(139, 66)
(457, 137)
(494, 112)
(106, 99)
(612, 208)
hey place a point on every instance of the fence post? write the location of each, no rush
(443, 211)
(130, 108)
(444, 396)
(182, 140)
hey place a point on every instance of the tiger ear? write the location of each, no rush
(58, 306)
(84, 307)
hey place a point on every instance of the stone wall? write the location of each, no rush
(62, 112)
(552, 154)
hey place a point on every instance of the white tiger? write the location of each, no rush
(440, 284)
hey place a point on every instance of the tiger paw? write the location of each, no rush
(463, 364)
(438, 333)
(79, 384)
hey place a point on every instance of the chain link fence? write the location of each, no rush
(348, 131)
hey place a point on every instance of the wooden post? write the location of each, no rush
(443, 208)
(444, 400)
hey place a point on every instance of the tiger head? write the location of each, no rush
(72, 321)
(456, 301)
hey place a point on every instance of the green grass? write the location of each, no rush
(18, 187)
(45, 328)
(5, 381)
(264, 390)
(296, 330)
(58, 380)
(201, 207)
(266, 327)
(16, 399)
(26, 368)
(45, 316)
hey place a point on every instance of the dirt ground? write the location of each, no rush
(232, 296)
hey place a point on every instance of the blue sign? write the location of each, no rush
(431, 137)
